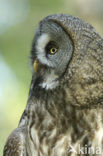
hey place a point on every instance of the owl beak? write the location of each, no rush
(36, 65)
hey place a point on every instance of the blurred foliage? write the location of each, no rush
(15, 46)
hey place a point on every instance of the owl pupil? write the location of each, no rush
(53, 49)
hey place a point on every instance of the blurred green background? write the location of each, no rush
(18, 22)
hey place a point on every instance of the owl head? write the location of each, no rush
(62, 55)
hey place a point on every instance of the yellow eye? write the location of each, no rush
(53, 50)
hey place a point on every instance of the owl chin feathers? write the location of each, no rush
(47, 85)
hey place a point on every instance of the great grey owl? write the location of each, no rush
(64, 112)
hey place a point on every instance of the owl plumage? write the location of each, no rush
(65, 103)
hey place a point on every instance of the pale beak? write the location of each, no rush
(36, 65)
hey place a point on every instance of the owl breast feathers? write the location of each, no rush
(64, 112)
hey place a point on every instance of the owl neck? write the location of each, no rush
(48, 109)
(61, 99)
(48, 101)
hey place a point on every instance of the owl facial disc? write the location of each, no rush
(53, 49)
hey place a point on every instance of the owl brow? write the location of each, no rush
(50, 44)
